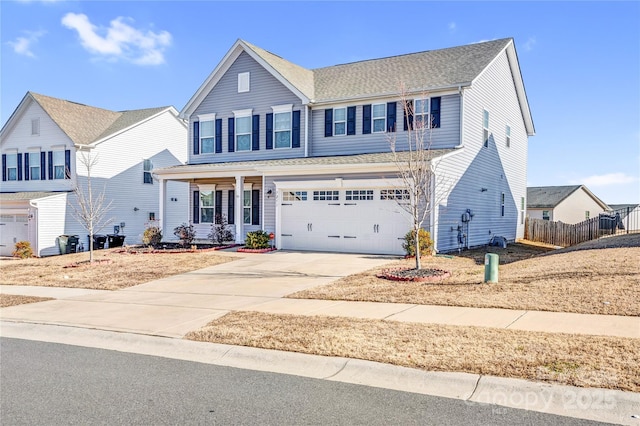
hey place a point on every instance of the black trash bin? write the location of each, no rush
(99, 241)
(68, 244)
(115, 240)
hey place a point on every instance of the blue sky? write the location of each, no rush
(580, 61)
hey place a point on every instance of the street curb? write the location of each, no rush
(603, 405)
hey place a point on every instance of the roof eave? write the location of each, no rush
(411, 93)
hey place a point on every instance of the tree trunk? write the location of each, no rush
(417, 248)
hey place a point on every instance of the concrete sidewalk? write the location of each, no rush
(175, 305)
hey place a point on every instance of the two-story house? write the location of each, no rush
(306, 154)
(43, 144)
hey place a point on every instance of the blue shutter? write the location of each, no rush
(26, 166)
(366, 119)
(295, 129)
(328, 123)
(4, 167)
(67, 164)
(43, 165)
(218, 207)
(232, 140)
(391, 116)
(255, 207)
(19, 166)
(408, 115)
(50, 165)
(231, 215)
(196, 206)
(196, 137)
(218, 135)
(255, 133)
(269, 134)
(351, 120)
(435, 112)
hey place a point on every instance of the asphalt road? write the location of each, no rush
(44, 383)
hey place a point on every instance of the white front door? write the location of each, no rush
(13, 228)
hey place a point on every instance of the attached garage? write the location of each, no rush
(13, 228)
(357, 220)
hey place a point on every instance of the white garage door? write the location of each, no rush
(13, 228)
(345, 220)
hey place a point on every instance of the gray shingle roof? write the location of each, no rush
(427, 70)
(548, 196)
(24, 196)
(85, 124)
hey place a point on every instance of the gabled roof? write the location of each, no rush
(423, 71)
(623, 206)
(25, 196)
(84, 124)
(539, 197)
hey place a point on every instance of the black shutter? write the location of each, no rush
(435, 112)
(351, 120)
(43, 165)
(328, 123)
(67, 164)
(218, 135)
(230, 210)
(196, 137)
(269, 132)
(408, 115)
(19, 166)
(4, 167)
(255, 207)
(391, 116)
(255, 133)
(295, 130)
(50, 165)
(196, 206)
(218, 207)
(26, 166)
(366, 119)
(232, 140)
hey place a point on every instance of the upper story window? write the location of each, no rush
(379, 117)
(485, 128)
(244, 79)
(243, 130)
(587, 214)
(421, 113)
(339, 121)
(507, 136)
(147, 167)
(545, 215)
(12, 166)
(35, 127)
(58, 165)
(282, 125)
(34, 165)
(207, 133)
(502, 200)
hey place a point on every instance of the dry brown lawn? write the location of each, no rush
(111, 271)
(587, 361)
(12, 300)
(599, 277)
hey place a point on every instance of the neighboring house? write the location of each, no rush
(569, 204)
(305, 154)
(41, 147)
(629, 215)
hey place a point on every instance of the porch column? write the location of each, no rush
(239, 216)
(162, 204)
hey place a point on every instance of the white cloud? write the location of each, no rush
(528, 45)
(452, 27)
(120, 40)
(22, 45)
(605, 180)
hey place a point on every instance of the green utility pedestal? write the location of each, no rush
(491, 261)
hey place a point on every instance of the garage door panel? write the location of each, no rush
(13, 228)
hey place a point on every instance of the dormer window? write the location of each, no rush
(243, 82)
(282, 125)
(243, 129)
(207, 133)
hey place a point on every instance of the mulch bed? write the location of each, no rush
(415, 275)
(96, 262)
(248, 250)
(171, 248)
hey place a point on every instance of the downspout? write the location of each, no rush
(36, 248)
(306, 131)
(461, 93)
(264, 190)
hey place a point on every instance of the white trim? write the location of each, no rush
(334, 121)
(338, 183)
(384, 117)
(277, 109)
(206, 187)
(206, 117)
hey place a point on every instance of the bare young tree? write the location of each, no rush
(91, 209)
(417, 164)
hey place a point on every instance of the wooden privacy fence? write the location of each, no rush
(561, 234)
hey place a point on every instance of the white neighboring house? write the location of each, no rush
(41, 146)
(568, 204)
(629, 216)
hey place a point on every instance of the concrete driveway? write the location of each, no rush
(174, 305)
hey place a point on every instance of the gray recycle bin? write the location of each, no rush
(68, 244)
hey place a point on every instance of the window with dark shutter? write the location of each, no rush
(328, 123)
(231, 214)
(366, 119)
(196, 206)
(295, 129)
(255, 207)
(218, 135)
(408, 115)
(43, 165)
(19, 166)
(218, 207)
(196, 137)
(67, 164)
(391, 116)
(4, 167)
(231, 142)
(435, 112)
(269, 131)
(50, 165)
(351, 120)
(255, 133)
(26, 166)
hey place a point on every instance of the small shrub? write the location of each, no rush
(152, 236)
(257, 240)
(220, 233)
(185, 233)
(426, 243)
(23, 250)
